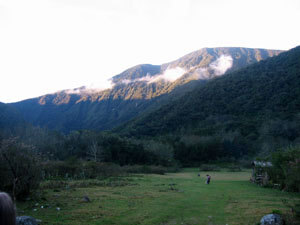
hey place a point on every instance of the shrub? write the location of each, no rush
(149, 169)
(19, 169)
(286, 169)
(292, 217)
(77, 169)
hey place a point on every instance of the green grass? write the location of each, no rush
(179, 198)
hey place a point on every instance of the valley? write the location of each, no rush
(125, 155)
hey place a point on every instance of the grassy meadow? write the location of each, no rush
(175, 198)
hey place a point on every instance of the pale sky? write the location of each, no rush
(51, 45)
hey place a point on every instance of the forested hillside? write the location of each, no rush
(10, 119)
(266, 89)
(135, 90)
(260, 103)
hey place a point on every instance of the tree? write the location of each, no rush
(95, 152)
(286, 168)
(19, 170)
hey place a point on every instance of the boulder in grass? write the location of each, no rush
(271, 219)
(86, 199)
(26, 220)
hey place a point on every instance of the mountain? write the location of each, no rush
(10, 118)
(261, 99)
(135, 90)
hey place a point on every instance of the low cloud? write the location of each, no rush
(169, 75)
(221, 65)
(92, 88)
(101, 85)
(216, 68)
(200, 74)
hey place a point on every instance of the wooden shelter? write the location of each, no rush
(260, 172)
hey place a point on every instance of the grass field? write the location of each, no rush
(179, 198)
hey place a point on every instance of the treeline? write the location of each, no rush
(186, 149)
(43, 154)
(97, 147)
(218, 138)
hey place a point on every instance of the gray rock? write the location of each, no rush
(86, 199)
(271, 219)
(26, 220)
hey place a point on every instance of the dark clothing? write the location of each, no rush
(208, 180)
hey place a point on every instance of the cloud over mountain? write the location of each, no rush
(169, 75)
(216, 68)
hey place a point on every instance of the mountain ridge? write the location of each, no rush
(267, 90)
(135, 90)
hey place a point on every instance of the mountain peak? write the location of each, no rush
(135, 90)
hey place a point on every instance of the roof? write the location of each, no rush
(262, 164)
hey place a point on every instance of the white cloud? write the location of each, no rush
(92, 88)
(199, 74)
(101, 85)
(218, 67)
(221, 65)
(169, 75)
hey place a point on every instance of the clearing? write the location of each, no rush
(177, 198)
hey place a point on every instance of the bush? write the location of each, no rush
(19, 169)
(292, 217)
(286, 169)
(77, 169)
(149, 169)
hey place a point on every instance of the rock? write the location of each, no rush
(271, 219)
(26, 220)
(86, 199)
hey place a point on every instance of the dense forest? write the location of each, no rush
(257, 108)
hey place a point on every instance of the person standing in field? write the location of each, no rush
(208, 179)
(7, 210)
